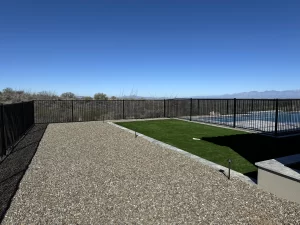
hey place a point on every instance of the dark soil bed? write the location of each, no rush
(14, 166)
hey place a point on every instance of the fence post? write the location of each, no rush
(198, 108)
(33, 110)
(164, 108)
(72, 111)
(234, 112)
(3, 141)
(227, 107)
(123, 110)
(177, 106)
(276, 117)
(191, 109)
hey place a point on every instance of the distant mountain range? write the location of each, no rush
(252, 94)
(256, 94)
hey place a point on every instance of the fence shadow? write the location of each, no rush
(256, 147)
(14, 166)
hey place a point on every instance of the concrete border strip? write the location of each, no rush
(197, 158)
(219, 125)
(145, 119)
(197, 122)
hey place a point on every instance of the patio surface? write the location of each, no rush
(96, 173)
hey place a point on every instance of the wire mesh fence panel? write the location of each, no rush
(15, 120)
(114, 109)
(28, 114)
(2, 132)
(141, 109)
(288, 115)
(256, 114)
(86, 110)
(217, 111)
(182, 108)
(129, 110)
(53, 111)
(158, 109)
(170, 108)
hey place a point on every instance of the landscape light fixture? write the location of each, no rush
(229, 165)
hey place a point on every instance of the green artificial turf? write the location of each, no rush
(217, 144)
(180, 134)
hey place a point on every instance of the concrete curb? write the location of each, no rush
(197, 158)
(219, 125)
(131, 120)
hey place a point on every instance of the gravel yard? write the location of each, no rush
(95, 173)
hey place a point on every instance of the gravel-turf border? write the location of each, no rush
(211, 164)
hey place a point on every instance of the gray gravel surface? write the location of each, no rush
(95, 173)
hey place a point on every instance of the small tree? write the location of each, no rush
(8, 94)
(7, 90)
(68, 95)
(113, 98)
(100, 96)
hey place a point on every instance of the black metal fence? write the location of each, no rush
(58, 111)
(15, 120)
(266, 115)
(272, 116)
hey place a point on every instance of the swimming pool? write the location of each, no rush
(259, 120)
(283, 117)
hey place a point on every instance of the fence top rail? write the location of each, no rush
(108, 100)
(16, 103)
(175, 99)
(248, 99)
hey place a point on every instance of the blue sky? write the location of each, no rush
(151, 48)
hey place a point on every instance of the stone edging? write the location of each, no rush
(213, 165)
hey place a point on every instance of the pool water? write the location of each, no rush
(283, 117)
(295, 166)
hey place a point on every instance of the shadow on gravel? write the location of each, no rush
(256, 147)
(14, 166)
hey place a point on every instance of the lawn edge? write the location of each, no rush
(211, 164)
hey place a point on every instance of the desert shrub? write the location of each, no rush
(100, 96)
(68, 95)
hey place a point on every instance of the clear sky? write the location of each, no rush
(151, 48)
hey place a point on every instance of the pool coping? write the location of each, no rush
(211, 164)
(280, 167)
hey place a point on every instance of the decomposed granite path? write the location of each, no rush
(96, 173)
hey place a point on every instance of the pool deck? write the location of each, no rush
(96, 173)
